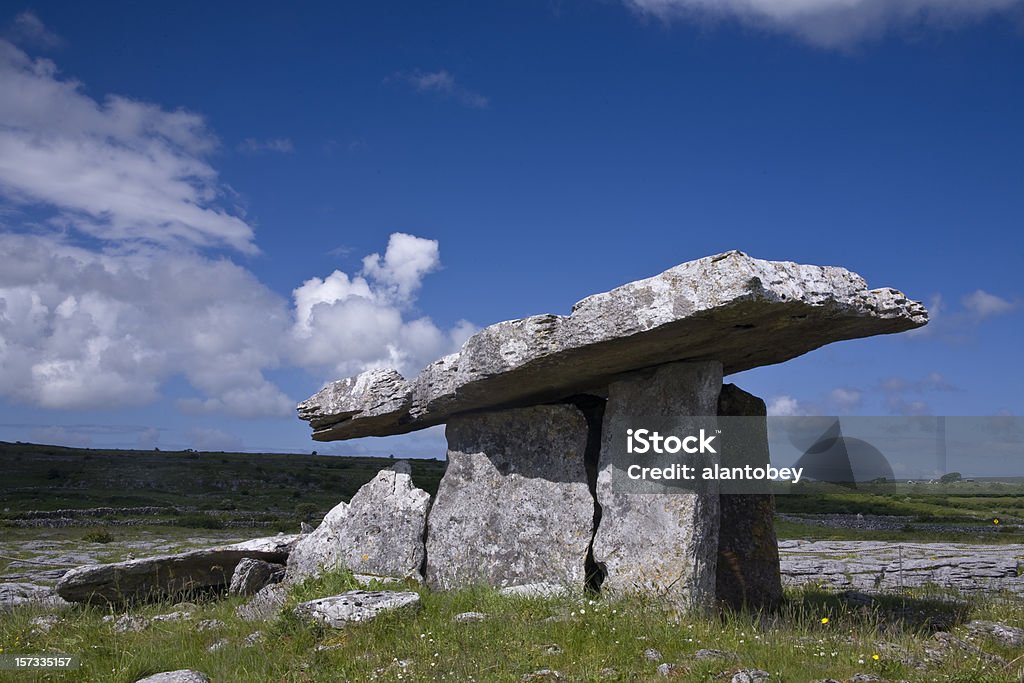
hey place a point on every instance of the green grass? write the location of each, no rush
(583, 639)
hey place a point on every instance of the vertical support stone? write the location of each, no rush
(514, 507)
(661, 544)
(748, 552)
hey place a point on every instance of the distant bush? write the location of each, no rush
(199, 520)
(98, 536)
(950, 478)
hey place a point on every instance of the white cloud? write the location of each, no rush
(443, 83)
(28, 29)
(280, 145)
(119, 170)
(845, 399)
(351, 323)
(785, 406)
(828, 23)
(980, 304)
(80, 329)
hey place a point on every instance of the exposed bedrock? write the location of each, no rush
(733, 309)
(379, 532)
(748, 551)
(514, 506)
(658, 544)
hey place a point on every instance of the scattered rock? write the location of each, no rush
(252, 639)
(864, 678)
(17, 594)
(219, 645)
(265, 604)
(705, 654)
(731, 308)
(128, 623)
(668, 670)
(469, 617)
(179, 615)
(949, 641)
(750, 676)
(45, 623)
(652, 655)
(535, 590)
(380, 531)
(542, 675)
(162, 575)
(665, 544)
(251, 575)
(514, 506)
(179, 676)
(339, 611)
(552, 649)
(608, 672)
(1010, 636)
(366, 580)
(209, 625)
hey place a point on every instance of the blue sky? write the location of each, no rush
(209, 210)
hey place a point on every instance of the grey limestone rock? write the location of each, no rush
(747, 573)
(514, 507)
(179, 676)
(251, 575)
(739, 311)
(662, 544)
(267, 602)
(350, 607)
(380, 531)
(163, 575)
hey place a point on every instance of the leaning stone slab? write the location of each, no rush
(351, 607)
(658, 543)
(747, 573)
(165, 575)
(514, 506)
(19, 593)
(731, 308)
(380, 531)
(265, 604)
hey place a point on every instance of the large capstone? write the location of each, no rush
(748, 551)
(380, 531)
(733, 309)
(665, 543)
(514, 506)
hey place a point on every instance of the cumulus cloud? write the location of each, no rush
(785, 406)
(87, 324)
(442, 83)
(351, 323)
(828, 23)
(254, 146)
(80, 328)
(118, 170)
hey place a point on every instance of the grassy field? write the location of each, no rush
(815, 636)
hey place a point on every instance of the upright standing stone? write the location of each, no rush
(513, 507)
(748, 551)
(380, 531)
(664, 544)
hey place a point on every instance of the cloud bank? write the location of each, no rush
(110, 214)
(828, 23)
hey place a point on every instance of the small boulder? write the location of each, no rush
(1010, 636)
(267, 602)
(251, 575)
(469, 617)
(351, 607)
(179, 676)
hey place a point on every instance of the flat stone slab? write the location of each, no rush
(161, 575)
(352, 607)
(888, 566)
(739, 311)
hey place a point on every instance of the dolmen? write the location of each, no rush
(527, 502)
